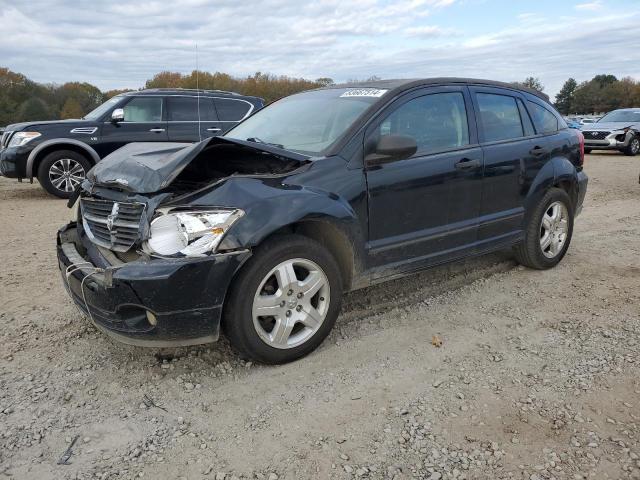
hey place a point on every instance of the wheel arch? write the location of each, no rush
(45, 148)
(559, 172)
(334, 238)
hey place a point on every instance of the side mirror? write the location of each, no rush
(117, 115)
(391, 148)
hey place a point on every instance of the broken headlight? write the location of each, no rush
(189, 233)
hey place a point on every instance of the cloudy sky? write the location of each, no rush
(116, 44)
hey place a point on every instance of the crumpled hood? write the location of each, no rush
(609, 126)
(151, 166)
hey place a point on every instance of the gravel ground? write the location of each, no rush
(536, 377)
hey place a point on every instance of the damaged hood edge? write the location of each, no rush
(151, 166)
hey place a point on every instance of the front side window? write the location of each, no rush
(437, 122)
(499, 117)
(143, 109)
(543, 119)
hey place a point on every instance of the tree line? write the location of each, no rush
(23, 100)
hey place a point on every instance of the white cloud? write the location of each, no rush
(123, 44)
(590, 6)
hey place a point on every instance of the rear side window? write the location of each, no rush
(143, 109)
(499, 117)
(437, 122)
(185, 109)
(231, 110)
(543, 119)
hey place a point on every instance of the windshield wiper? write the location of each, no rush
(257, 140)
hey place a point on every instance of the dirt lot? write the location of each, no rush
(537, 376)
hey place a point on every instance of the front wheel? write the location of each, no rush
(285, 300)
(547, 232)
(634, 147)
(62, 171)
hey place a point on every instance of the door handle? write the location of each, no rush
(467, 163)
(157, 130)
(213, 129)
(537, 151)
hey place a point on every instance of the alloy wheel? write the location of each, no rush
(635, 146)
(66, 174)
(554, 229)
(291, 303)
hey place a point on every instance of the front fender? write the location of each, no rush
(61, 142)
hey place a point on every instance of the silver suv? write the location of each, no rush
(617, 130)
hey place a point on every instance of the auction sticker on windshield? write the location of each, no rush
(364, 92)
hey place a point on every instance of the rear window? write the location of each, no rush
(231, 110)
(543, 119)
(499, 117)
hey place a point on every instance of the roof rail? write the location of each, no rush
(178, 89)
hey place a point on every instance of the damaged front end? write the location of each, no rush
(146, 259)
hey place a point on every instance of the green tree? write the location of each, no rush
(33, 109)
(71, 109)
(533, 83)
(565, 96)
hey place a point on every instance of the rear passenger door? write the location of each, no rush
(192, 118)
(505, 132)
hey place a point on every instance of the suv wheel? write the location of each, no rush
(548, 231)
(62, 171)
(634, 146)
(284, 301)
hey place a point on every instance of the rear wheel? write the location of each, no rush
(284, 302)
(62, 171)
(548, 231)
(634, 147)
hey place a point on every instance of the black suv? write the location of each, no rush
(59, 153)
(259, 232)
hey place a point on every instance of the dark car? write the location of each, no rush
(259, 232)
(59, 153)
(617, 130)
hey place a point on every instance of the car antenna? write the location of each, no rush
(198, 90)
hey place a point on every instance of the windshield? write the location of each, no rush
(98, 112)
(627, 116)
(308, 122)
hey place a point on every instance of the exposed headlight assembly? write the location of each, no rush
(22, 138)
(191, 233)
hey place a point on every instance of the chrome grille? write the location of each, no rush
(6, 136)
(113, 225)
(595, 135)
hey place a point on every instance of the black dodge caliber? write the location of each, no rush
(259, 232)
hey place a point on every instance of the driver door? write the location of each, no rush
(424, 209)
(144, 121)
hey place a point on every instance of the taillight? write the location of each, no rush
(581, 140)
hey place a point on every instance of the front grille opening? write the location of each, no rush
(113, 225)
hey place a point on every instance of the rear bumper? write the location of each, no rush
(583, 180)
(153, 303)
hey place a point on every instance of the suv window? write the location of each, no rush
(143, 109)
(499, 117)
(185, 109)
(437, 122)
(544, 120)
(231, 110)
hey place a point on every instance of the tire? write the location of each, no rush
(257, 337)
(531, 252)
(633, 148)
(587, 150)
(52, 172)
